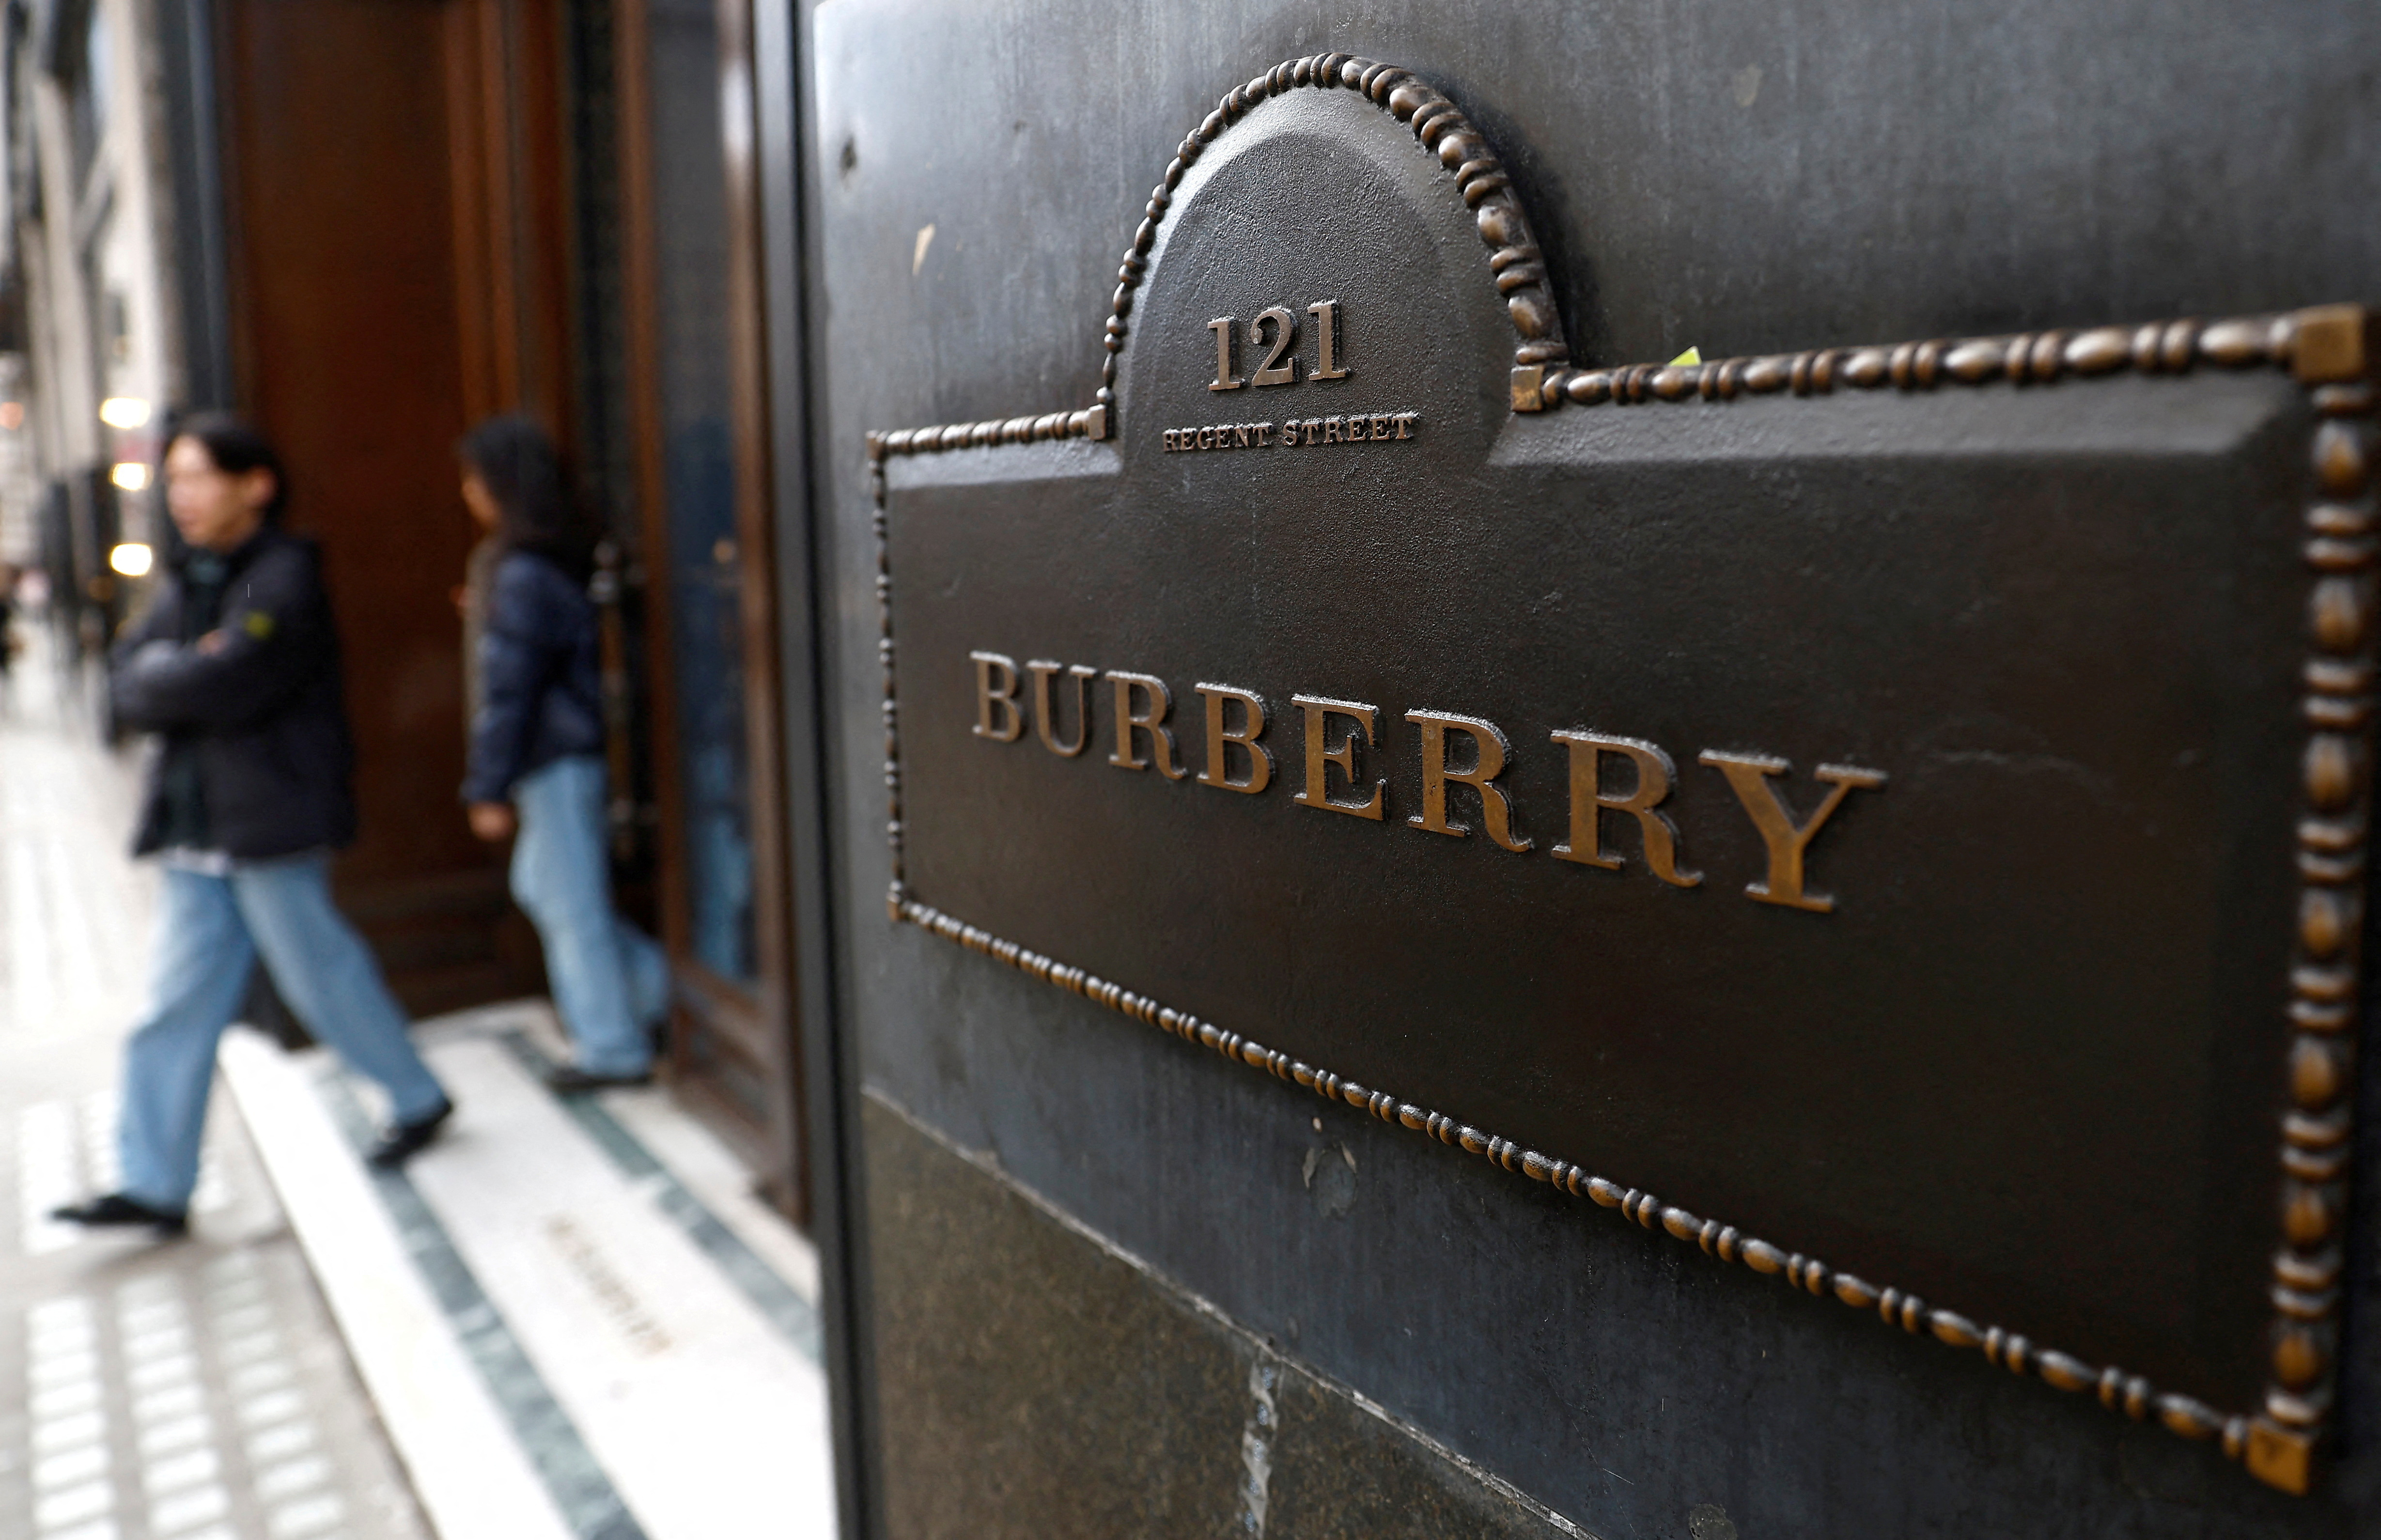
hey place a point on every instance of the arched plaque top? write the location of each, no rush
(1515, 264)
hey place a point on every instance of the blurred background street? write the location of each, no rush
(570, 1319)
(195, 1390)
(369, 230)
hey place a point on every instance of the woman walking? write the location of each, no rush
(536, 767)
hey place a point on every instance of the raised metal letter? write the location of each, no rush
(1589, 803)
(1487, 763)
(1000, 701)
(1161, 737)
(1045, 714)
(1749, 775)
(1220, 740)
(1319, 758)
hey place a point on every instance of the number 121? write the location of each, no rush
(1279, 367)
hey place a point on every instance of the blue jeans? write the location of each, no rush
(610, 979)
(210, 931)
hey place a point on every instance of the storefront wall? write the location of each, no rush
(1097, 1279)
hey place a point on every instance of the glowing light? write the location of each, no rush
(132, 559)
(124, 411)
(130, 474)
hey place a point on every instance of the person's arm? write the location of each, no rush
(154, 623)
(273, 632)
(515, 661)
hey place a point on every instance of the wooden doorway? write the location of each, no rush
(698, 409)
(398, 269)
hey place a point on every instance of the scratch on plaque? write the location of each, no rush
(1256, 1448)
(2022, 764)
(1710, 1521)
(918, 256)
(1334, 1190)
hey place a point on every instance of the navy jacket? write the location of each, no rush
(541, 683)
(258, 731)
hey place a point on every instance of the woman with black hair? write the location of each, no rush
(536, 763)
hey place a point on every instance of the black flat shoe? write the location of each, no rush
(571, 1081)
(405, 1140)
(115, 1209)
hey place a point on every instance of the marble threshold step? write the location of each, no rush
(575, 1319)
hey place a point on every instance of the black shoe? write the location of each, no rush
(571, 1081)
(115, 1209)
(405, 1140)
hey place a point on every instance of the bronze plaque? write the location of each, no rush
(1902, 805)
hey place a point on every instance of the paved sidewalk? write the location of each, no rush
(566, 1320)
(193, 1391)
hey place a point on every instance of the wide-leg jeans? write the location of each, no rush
(611, 980)
(210, 931)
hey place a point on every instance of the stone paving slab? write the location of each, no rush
(645, 1328)
(183, 1390)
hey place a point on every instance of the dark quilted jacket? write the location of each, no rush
(257, 751)
(541, 686)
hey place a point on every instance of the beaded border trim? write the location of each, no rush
(2032, 358)
(2328, 349)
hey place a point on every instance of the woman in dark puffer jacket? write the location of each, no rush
(536, 763)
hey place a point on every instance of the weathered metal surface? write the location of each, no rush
(2071, 622)
(2042, 616)
(1048, 1368)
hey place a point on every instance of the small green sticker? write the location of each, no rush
(257, 623)
(1690, 357)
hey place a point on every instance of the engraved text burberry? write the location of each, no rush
(1340, 739)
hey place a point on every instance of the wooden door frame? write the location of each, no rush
(512, 209)
(757, 1025)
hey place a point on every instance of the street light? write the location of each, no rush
(124, 411)
(132, 559)
(131, 475)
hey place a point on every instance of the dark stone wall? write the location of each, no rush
(1741, 175)
(1047, 1386)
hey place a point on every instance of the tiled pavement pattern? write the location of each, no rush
(194, 1390)
(188, 1398)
